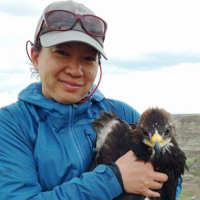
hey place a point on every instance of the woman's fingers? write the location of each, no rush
(156, 185)
(150, 193)
(160, 177)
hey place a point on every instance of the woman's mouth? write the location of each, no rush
(70, 87)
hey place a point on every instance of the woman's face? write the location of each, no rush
(67, 71)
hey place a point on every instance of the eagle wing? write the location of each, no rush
(113, 138)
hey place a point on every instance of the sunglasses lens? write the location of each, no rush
(60, 20)
(94, 25)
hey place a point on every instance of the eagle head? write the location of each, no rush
(156, 130)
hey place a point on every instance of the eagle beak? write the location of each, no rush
(157, 148)
(157, 143)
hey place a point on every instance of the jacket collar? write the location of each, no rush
(33, 95)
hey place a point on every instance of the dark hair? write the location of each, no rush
(36, 47)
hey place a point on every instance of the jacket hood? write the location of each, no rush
(33, 95)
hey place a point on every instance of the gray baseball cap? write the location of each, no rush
(50, 38)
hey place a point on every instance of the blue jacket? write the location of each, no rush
(47, 148)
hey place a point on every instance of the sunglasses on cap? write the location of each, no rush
(62, 20)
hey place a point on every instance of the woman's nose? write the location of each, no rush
(74, 68)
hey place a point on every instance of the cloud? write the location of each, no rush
(145, 42)
(14, 60)
(7, 98)
(11, 82)
(174, 89)
(150, 61)
(19, 8)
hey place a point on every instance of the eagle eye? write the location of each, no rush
(167, 132)
(145, 133)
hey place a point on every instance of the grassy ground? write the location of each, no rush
(191, 179)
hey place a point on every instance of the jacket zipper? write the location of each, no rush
(75, 142)
(91, 143)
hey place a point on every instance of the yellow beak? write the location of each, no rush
(156, 137)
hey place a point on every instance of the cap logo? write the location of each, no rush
(80, 13)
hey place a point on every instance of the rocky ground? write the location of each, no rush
(188, 136)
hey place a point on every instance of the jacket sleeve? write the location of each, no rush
(123, 110)
(178, 189)
(19, 177)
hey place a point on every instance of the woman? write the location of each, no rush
(46, 140)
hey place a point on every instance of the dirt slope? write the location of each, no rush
(188, 136)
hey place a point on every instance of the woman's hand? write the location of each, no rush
(139, 177)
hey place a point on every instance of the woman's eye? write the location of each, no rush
(88, 58)
(61, 52)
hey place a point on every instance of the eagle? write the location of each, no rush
(152, 139)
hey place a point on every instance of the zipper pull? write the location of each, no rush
(75, 106)
(94, 150)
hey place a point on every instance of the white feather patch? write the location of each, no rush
(167, 147)
(104, 132)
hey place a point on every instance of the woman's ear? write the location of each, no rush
(34, 57)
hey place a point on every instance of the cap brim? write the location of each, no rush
(57, 37)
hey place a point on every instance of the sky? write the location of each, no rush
(153, 50)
